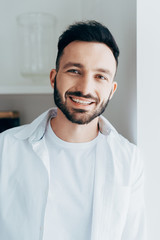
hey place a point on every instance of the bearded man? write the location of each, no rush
(69, 175)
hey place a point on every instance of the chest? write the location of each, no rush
(70, 197)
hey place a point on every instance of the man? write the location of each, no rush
(69, 175)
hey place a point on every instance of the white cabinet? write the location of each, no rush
(26, 89)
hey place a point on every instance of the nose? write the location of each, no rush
(85, 84)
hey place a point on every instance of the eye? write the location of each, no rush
(75, 71)
(101, 77)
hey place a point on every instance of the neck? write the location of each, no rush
(71, 132)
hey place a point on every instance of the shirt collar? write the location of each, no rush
(36, 130)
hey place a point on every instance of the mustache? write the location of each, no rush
(80, 94)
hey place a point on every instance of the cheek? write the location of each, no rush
(104, 93)
(61, 86)
(63, 83)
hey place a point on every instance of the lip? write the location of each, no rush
(81, 102)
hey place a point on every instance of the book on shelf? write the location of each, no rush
(9, 119)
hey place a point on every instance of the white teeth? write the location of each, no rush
(80, 101)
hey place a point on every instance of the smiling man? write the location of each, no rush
(69, 175)
(83, 85)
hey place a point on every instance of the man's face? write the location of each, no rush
(84, 82)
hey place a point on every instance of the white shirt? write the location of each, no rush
(69, 206)
(118, 199)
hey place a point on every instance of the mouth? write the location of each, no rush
(81, 101)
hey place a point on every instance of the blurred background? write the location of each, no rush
(32, 98)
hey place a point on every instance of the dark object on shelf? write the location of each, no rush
(8, 120)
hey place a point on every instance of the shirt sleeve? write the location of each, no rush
(135, 222)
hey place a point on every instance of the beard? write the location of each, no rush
(78, 116)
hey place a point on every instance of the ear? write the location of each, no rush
(114, 87)
(52, 77)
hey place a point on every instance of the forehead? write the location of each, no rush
(89, 54)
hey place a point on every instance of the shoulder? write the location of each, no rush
(126, 155)
(123, 150)
(122, 142)
(10, 133)
(35, 129)
(129, 156)
(115, 140)
(126, 160)
(8, 142)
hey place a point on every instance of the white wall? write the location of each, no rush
(119, 16)
(148, 84)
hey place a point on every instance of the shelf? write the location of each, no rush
(26, 89)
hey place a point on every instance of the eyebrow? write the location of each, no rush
(72, 64)
(79, 65)
(104, 71)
